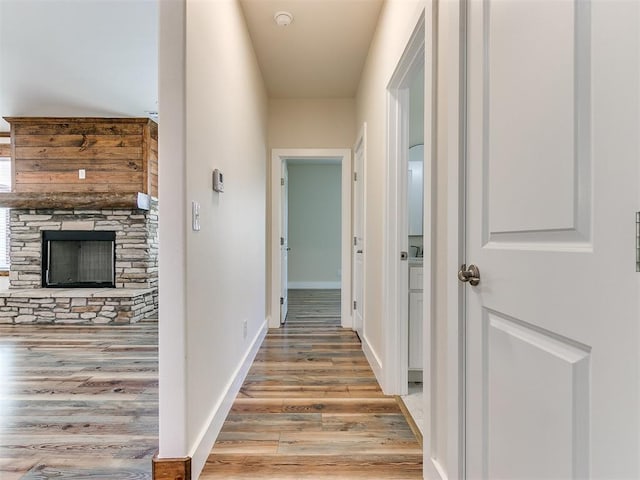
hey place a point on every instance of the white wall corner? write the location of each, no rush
(172, 327)
(207, 437)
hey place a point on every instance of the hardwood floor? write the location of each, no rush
(310, 408)
(82, 403)
(78, 402)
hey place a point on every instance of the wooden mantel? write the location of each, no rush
(74, 200)
(75, 162)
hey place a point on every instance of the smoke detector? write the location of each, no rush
(282, 18)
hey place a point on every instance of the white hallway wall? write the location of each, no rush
(213, 279)
(395, 26)
(315, 192)
(312, 122)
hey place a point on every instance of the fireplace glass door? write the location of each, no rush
(78, 259)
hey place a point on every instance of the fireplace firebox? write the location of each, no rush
(78, 259)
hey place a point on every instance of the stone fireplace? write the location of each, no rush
(136, 242)
(83, 230)
(135, 266)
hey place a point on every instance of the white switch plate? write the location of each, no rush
(195, 216)
(82, 174)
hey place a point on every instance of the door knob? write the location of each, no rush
(471, 274)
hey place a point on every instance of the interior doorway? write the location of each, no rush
(406, 292)
(280, 159)
(314, 210)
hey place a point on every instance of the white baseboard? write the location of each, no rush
(373, 359)
(208, 435)
(314, 285)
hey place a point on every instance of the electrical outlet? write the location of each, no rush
(244, 328)
(82, 174)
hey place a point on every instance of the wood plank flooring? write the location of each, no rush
(82, 403)
(310, 408)
(78, 402)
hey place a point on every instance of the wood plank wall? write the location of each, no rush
(5, 148)
(153, 159)
(117, 154)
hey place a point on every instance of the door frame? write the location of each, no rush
(422, 42)
(396, 226)
(278, 155)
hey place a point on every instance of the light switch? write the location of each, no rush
(195, 216)
(82, 174)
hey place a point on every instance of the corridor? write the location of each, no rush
(311, 407)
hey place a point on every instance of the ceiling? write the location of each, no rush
(78, 58)
(321, 53)
(45, 70)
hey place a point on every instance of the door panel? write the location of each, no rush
(533, 159)
(539, 384)
(551, 330)
(526, 69)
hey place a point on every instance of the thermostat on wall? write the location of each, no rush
(218, 181)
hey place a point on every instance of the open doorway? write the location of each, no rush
(408, 229)
(311, 267)
(415, 213)
(314, 211)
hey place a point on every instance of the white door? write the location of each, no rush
(284, 244)
(552, 187)
(358, 238)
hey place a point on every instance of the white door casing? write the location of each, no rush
(420, 48)
(358, 245)
(396, 270)
(284, 242)
(552, 169)
(275, 288)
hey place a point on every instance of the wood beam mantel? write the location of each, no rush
(74, 200)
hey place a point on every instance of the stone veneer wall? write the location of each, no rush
(136, 242)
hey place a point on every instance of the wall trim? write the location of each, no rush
(171, 468)
(207, 437)
(372, 358)
(315, 285)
